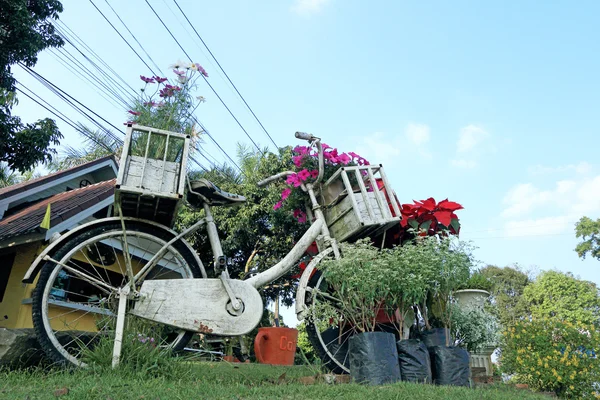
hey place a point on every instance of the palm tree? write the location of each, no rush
(97, 144)
(9, 177)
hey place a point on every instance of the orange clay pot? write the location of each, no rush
(276, 346)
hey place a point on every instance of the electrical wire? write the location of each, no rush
(225, 73)
(206, 80)
(132, 35)
(125, 40)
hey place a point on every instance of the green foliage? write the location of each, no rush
(144, 351)
(553, 355)
(589, 231)
(361, 283)
(478, 280)
(25, 30)
(508, 284)
(561, 296)
(410, 274)
(304, 346)
(447, 263)
(474, 327)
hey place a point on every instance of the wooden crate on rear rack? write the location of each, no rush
(152, 172)
(357, 202)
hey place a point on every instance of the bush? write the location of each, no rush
(552, 355)
(474, 328)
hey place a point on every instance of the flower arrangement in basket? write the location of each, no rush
(305, 160)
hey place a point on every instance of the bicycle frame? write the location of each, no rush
(317, 228)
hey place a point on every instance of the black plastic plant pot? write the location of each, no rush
(374, 358)
(450, 366)
(433, 337)
(415, 364)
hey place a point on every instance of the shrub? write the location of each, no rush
(551, 355)
(474, 327)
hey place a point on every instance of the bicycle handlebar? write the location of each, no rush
(305, 136)
(270, 179)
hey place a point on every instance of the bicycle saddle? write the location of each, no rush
(214, 195)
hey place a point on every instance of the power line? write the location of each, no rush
(68, 31)
(68, 65)
(225, 73)
(38, 76)
(132, 35)
(56, 113)
(67, 98)
(119, 33)
(206, 80)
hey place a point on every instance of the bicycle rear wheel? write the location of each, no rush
(75, 300)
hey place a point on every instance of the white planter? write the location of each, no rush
(471, 297)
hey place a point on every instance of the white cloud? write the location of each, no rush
(470, 137)
(418, 134)
(566, 202)
(383, 148)
(308, 6)
(462, 163)
(580, 168)
(379, 147)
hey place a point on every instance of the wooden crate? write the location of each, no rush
(152, 173)
(355, 203)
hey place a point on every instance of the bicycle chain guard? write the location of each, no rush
(200, 305)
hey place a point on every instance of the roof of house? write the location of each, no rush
(27, 185)
(62, 207)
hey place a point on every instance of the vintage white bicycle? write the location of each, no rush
(98, 281)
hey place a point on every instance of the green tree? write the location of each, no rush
(25, 30)
(589, 231)
(561, 296)
(508, 284)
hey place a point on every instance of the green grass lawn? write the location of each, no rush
(222, 381)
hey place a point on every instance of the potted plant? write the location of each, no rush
(408, 286)
(475, 291)
(477, 330)
(362, 287)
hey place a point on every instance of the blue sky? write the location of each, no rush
(491, 104)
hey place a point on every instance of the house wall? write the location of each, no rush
(10, 307)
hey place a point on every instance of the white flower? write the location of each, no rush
(201, 99)
(194, 67)
(182, 79)
(179, 64)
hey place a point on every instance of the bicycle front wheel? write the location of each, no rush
(74, 304)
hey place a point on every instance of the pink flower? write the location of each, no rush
(304, 174)
(344, 159)
(293, 180)
(136, 113)
(201, 70)
(159, 79)
(178, 72)
(300, 216)
(325, 146)
(353, 155)
(314, 174)
(277, 205)
(297, 160)
(147, 80)
(300, 150)
(286, 193)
